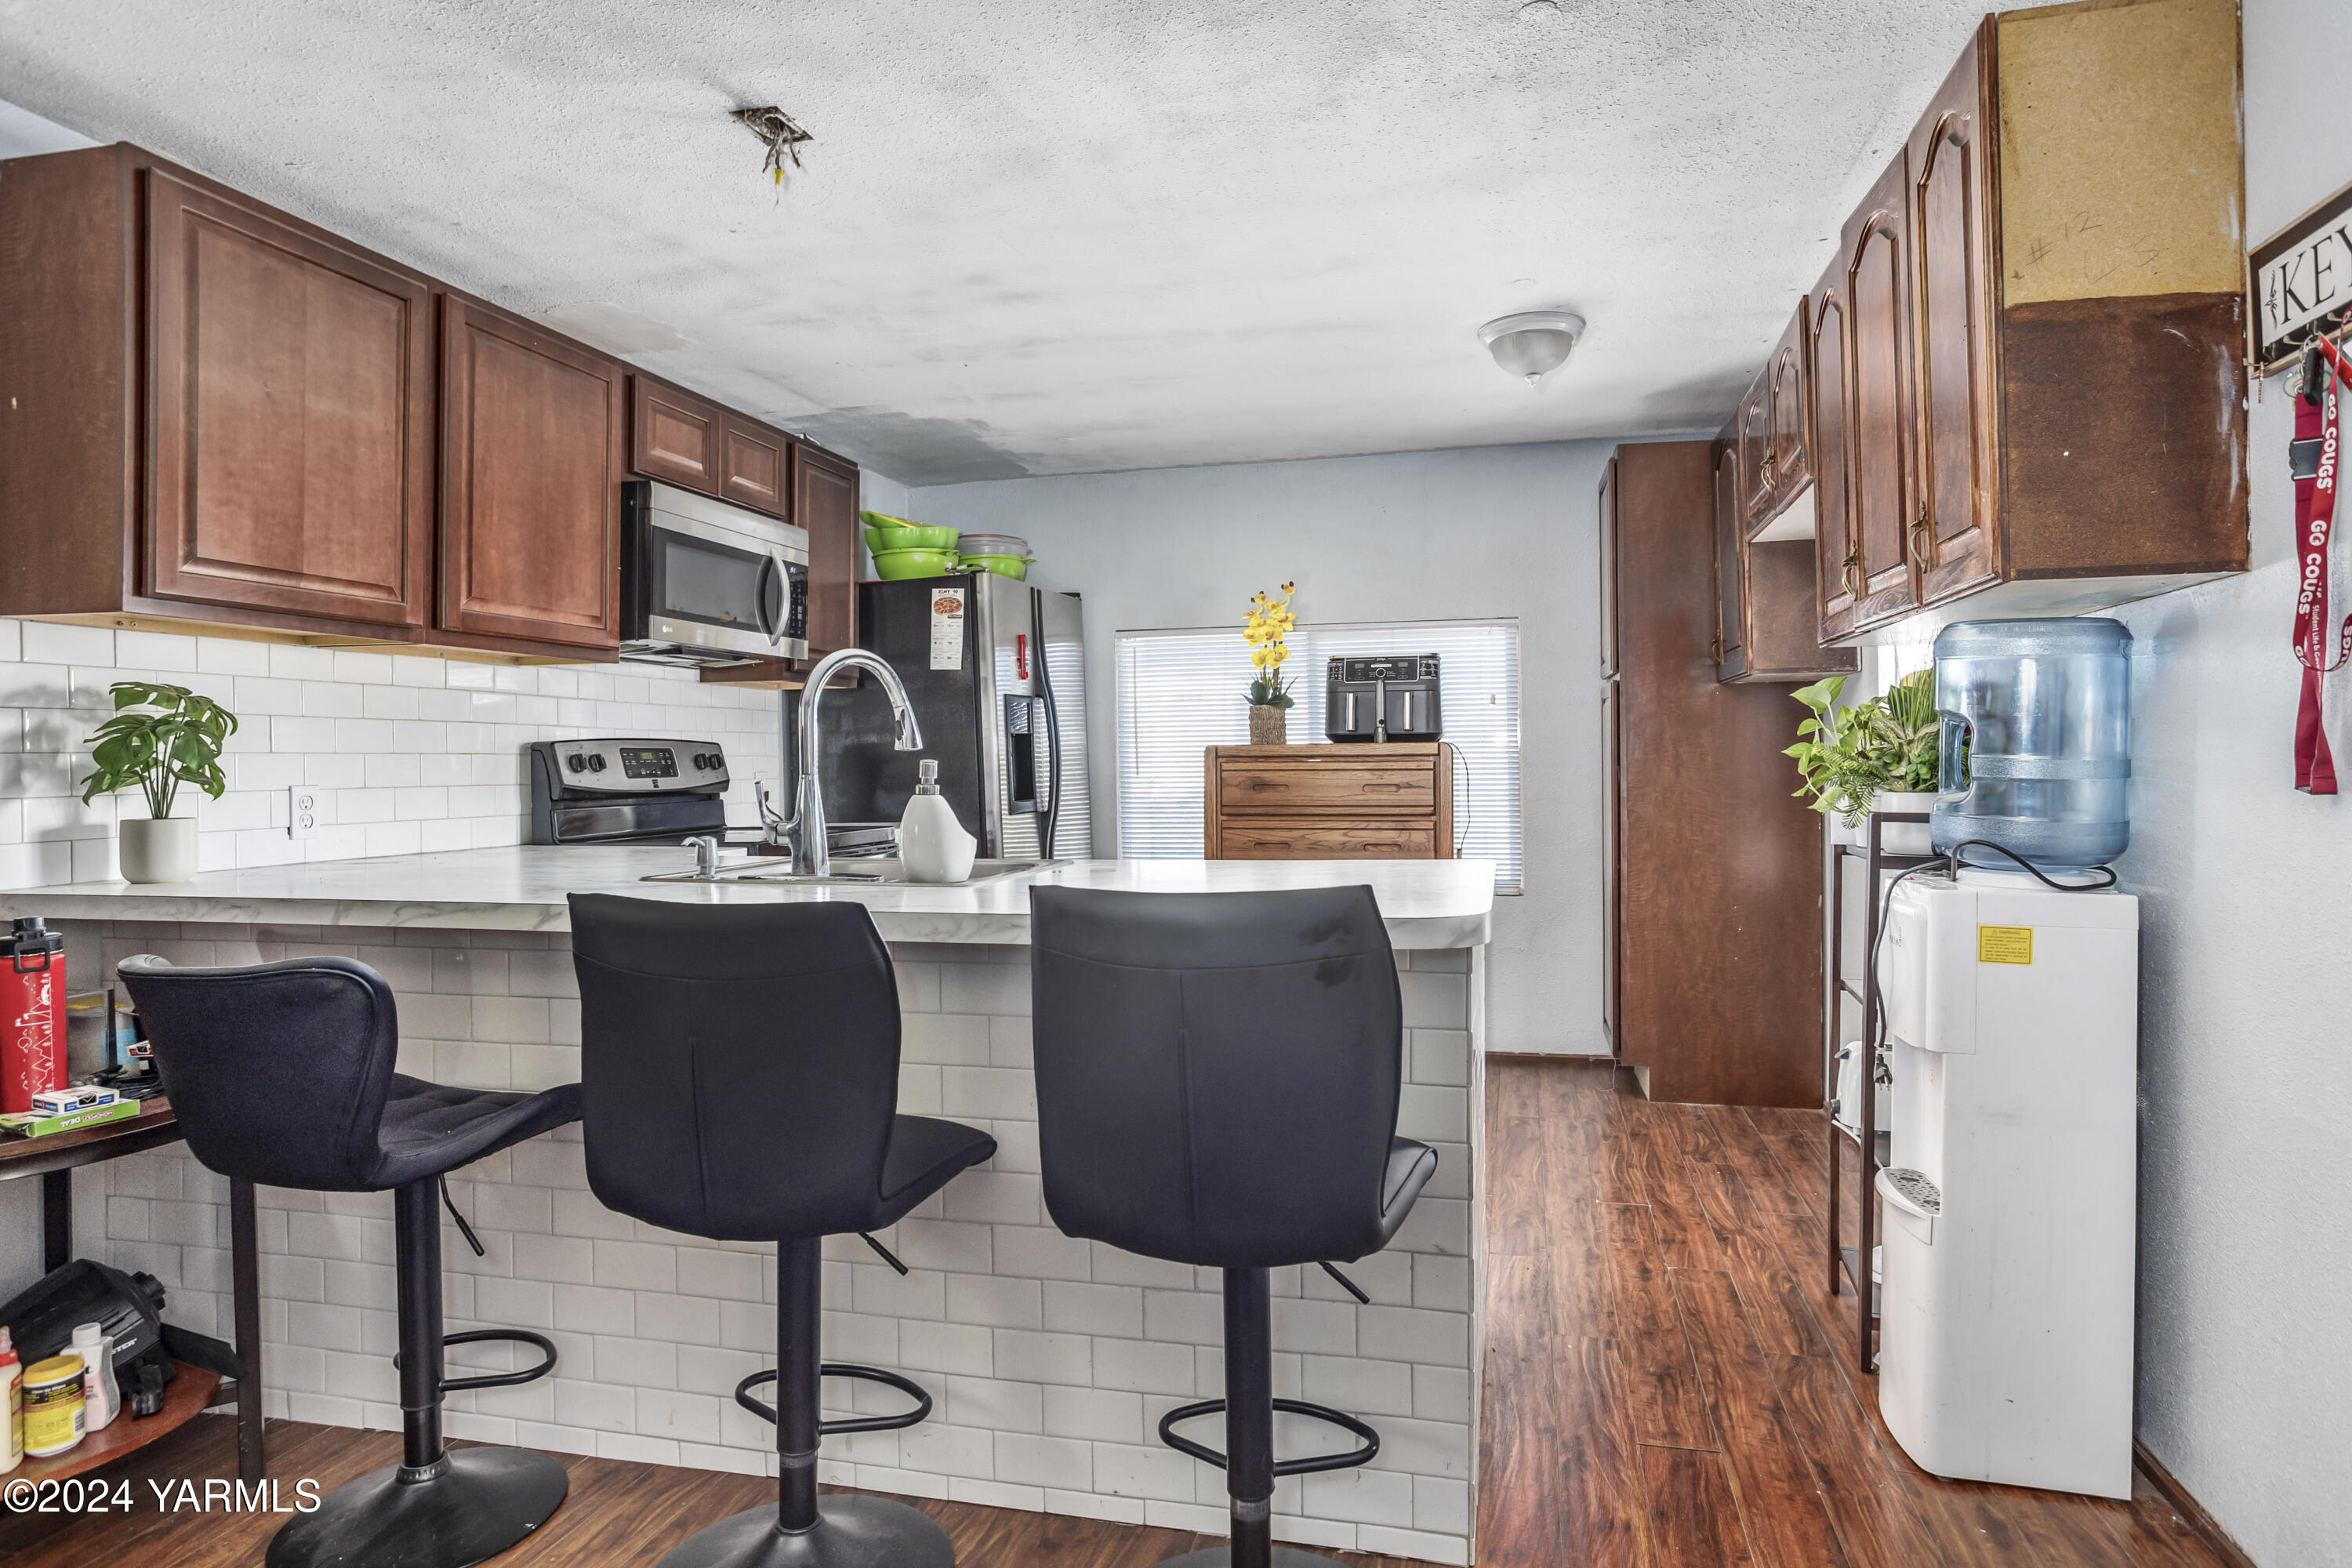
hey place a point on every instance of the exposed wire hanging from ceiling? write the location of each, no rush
(779, 132)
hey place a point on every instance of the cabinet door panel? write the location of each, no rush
(1878, 399)
(1834, 548)
(291, 437)
(531, 459)
(1609, 570)
(1730, 530)
(1755, 444)
(824, 502)
(752, 467)
(1791, 432)
(1954, 529)
(674, 437)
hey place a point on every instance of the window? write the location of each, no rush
(1181, 691)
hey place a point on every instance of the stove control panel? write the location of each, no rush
(633, 766)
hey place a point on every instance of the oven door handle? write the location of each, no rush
(772, 621)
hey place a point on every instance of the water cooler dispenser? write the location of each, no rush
(2012, 1021)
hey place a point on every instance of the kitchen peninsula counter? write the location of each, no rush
(1427, 904)
(1050, 1361)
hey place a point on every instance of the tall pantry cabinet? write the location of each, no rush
(1712, 868)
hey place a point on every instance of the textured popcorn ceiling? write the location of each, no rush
(1048, 236)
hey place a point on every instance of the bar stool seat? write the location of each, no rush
(1218, 1077)
(282, 1073)
(740, 1069)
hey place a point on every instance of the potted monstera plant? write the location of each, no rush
(159, 738)
(1878, 755)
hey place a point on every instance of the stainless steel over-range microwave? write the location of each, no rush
(706, 583)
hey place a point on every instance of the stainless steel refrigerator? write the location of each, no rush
(996, 670)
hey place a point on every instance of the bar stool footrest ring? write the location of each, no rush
(495, 1379)
(1308, 1466)
(921, 1412)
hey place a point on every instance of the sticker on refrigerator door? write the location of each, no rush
(2004, 944)
(947, 628)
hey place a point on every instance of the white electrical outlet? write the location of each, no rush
(301, 811)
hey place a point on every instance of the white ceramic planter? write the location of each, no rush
(1895, 837)
(158, 849)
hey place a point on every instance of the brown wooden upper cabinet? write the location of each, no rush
(2041, 313)
(691, 442)
(276, 473)
(824, 503)
(533, 449)
(1731, 496)
(1766, 623)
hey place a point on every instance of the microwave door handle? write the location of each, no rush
(1049, 804)
(772, 621)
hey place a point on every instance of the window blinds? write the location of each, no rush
(1182, 692)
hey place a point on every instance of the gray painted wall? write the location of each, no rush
(1485, 532)
(2245, 1392)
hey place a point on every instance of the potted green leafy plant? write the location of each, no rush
(159, 738)
(1878, 755)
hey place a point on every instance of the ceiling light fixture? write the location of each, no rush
(1533, 343)
(780, 132)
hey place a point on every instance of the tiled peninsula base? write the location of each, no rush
(1050, 1360)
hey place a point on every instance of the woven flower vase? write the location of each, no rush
(1269, 725)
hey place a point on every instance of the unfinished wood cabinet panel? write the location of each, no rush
(754, 467)
(1716, 868)
(1767, 604)
(533, 450)
(824, 503)
(1329, 802)
(675, 437)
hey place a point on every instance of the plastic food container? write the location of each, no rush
(893, 533)
(897, 566)
(995, 544)
(54, 1416)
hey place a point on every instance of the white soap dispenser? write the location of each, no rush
(932, 845)
(101, 1396)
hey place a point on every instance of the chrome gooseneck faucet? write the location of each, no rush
(812, 854)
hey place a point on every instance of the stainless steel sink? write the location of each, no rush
(851, 873)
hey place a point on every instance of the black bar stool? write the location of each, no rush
(282, 1073)
(1217, 1084)
(740, 1072)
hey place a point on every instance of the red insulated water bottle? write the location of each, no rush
(32, 1016)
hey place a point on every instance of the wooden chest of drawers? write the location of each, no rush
(1329, 803)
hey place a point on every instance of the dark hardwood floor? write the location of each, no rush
(1666, 1386)
(1670, 1383)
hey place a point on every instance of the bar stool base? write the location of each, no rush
(1222, 1557)
(851, 1531)
(488, 1499)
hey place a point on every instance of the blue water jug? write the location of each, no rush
(2035, 753)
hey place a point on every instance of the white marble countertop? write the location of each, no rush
(1428, 904)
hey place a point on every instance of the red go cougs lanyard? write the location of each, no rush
(2314, 516)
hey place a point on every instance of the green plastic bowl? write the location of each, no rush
(895, 533)
(1014, 566)
(897, 566)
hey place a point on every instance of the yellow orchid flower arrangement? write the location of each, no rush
(1268, 624)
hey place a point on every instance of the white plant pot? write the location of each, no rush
(1904, 837)
(158, 849)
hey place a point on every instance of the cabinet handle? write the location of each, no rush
(1770, 464)
(1715, 647)
(1850, 574)
(1923, 538)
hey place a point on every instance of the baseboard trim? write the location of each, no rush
(1548, 1056)
(2192, 1512)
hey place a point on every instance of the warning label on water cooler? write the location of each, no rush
(2004, 944)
